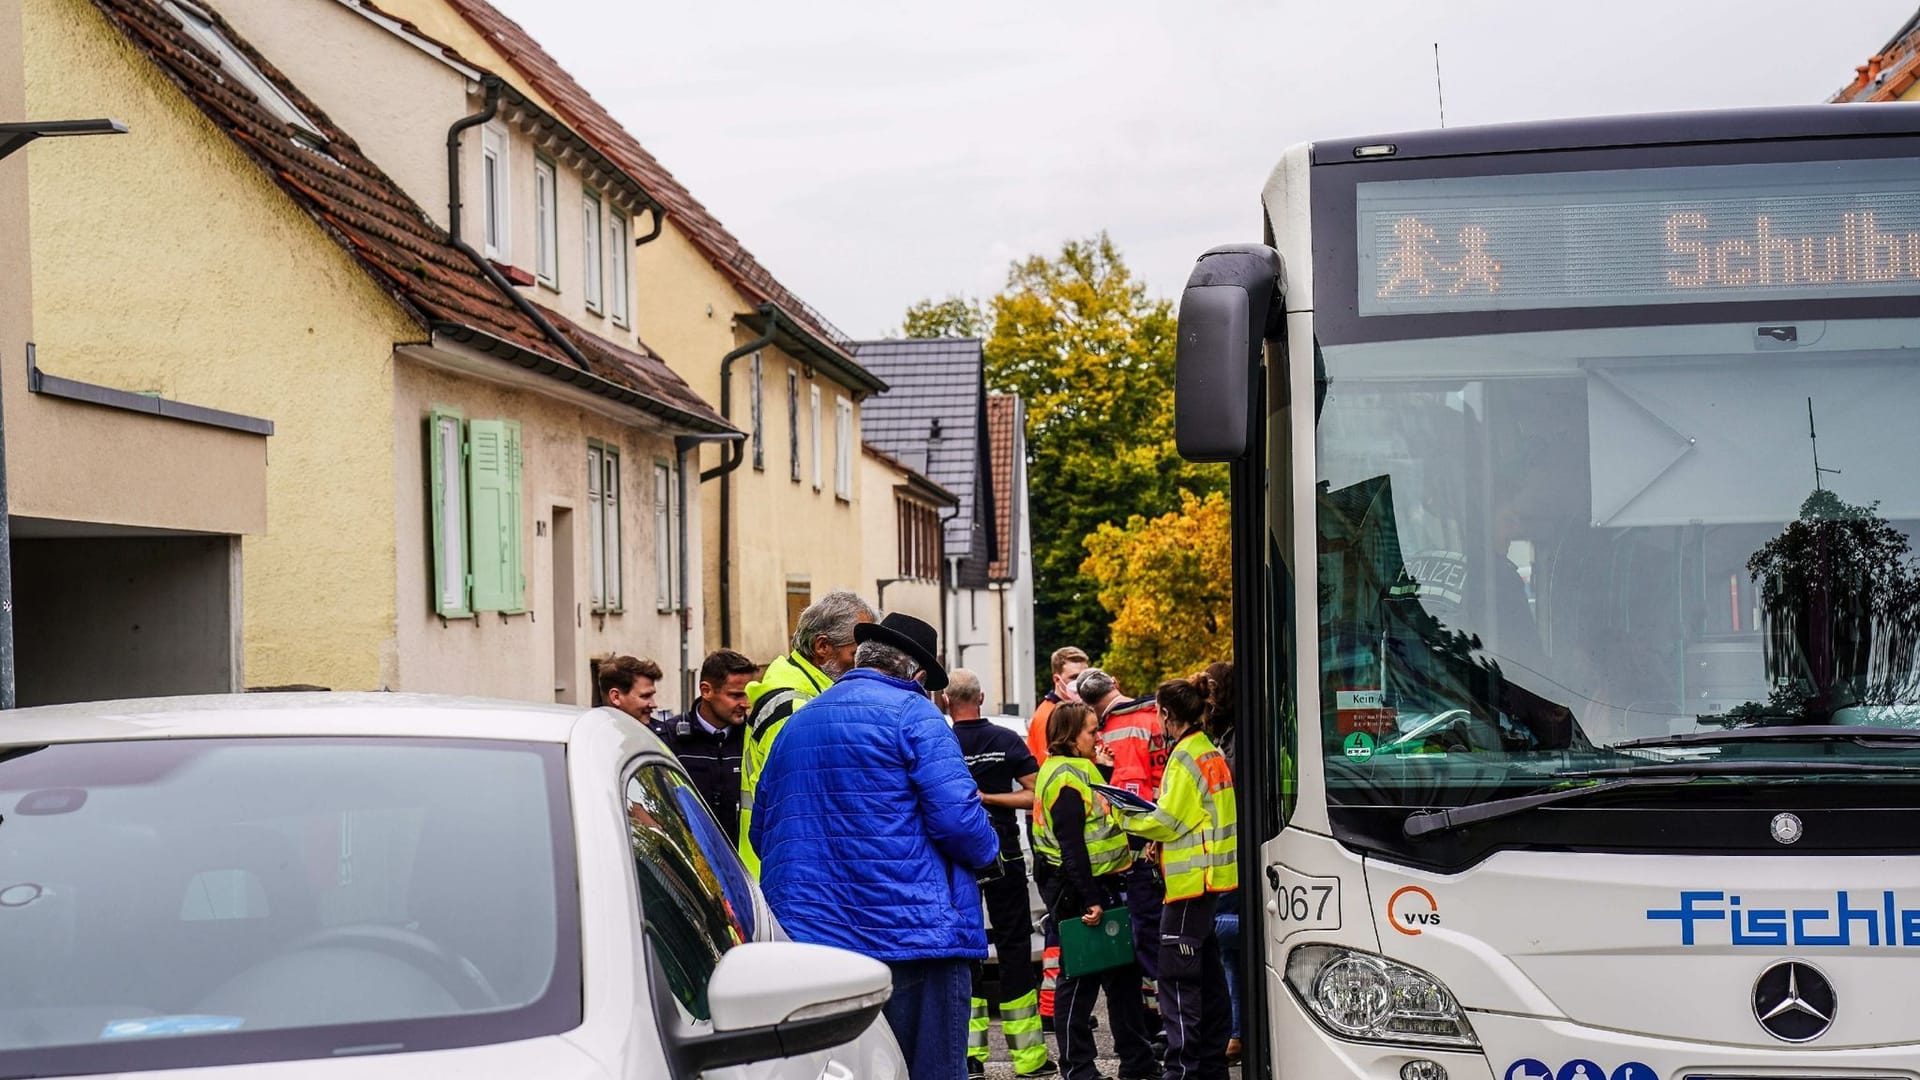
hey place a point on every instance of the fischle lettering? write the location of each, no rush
(1714, 917)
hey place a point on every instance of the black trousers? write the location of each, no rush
(1073, 1003)
(1010, 928)
(1193, 991)
(1146, 894)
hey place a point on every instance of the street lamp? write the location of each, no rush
(14, 137)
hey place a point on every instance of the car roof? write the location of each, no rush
(299, 714)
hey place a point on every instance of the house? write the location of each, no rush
(1893, 73)
(782, 525)
(902, 537)
(1010, 574)
(933, 418)
(473, 484)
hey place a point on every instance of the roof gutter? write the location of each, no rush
(735, 454)
(493, 84)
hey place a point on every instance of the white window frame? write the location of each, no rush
(793, 425)
(235, 63)
(451, 559)
(591, 259)
(666, 537)
(619, 282)
(496, 193)
(842, 448)
(603, 523)
(813, 404)
(546, 227)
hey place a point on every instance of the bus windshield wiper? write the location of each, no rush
(1617, 778)
(1855, 733)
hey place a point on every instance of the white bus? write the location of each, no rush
(1574, 467)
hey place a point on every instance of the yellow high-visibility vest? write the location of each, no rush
(1196, 821)
(1106, 842)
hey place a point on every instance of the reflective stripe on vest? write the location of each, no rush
(1107, 849)
(1197, 802)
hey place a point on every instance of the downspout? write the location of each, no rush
(682, 446)
(949, 583)
(493, 84)
(736, 454)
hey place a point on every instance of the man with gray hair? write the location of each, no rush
(872, 830)
(1006, 773)
(823, 649)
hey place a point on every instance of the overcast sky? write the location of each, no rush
(872, 153)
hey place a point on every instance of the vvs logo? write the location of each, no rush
(1412, 909)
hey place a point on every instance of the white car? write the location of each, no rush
(380, 885)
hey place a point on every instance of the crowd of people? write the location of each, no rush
(883, 812)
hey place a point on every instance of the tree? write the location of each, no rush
(1077, 336)
(956, 316)
(1167, 582)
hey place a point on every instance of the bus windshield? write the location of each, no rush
(1535, 548)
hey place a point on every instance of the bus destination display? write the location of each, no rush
(1639, 236)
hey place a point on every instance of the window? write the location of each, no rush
(235, 63)
(603, 526)
(473, 482)
(446, 439)
(793, 423)
(618, 251)
(842, 448)
(590, 250)
(756, 381)
(666, 536)
(494, 189)
(813, 404)
(546, 210)
(215, 901)
(695, 902)
(919, 526)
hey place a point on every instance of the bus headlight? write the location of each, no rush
(1369, 998)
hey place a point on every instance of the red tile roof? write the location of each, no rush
(1003, 410)
(1890, 72)
(578, 108)
(379, 225)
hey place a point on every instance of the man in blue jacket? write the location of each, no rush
(870, 830)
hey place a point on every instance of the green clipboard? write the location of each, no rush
(1085, 949)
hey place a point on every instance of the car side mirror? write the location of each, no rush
(1231, 306)
(779, 999)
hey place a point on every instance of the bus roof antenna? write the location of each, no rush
(1439, 93)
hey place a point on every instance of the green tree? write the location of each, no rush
(1077, 336)
(1168, 584)
(956, 316)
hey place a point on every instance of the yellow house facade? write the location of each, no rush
(467, 492)
(781, 520)
(901, 534)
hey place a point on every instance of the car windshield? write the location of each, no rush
(200, 902)
(1535, 547)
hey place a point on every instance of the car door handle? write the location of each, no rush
(836, 1071)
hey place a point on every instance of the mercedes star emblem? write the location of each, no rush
(1786, 828)
(1794, 1001)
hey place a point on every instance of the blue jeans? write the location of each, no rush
(1226, 927)
(928, 1015)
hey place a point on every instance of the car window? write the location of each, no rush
(168, 904)
(694, 899)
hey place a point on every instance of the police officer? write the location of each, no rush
(1194, 824)
(1005, 771)
(710, 738)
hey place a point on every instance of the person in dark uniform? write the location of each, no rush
(1005, 771)
(710, 737)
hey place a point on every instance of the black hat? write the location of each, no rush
(910, 636)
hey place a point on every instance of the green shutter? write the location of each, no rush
(448, 582)
(493, 498)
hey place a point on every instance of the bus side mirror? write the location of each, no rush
(1230, 307)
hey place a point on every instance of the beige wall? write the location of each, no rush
(166, 261)
(880, 544)
(394, 100)
(512, 656)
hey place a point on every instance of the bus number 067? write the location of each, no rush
(1305, 903)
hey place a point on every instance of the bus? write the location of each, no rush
(1574, 471)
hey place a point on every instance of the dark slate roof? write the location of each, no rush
(383, 229)
(731, 258)
(943, 380)
(1003, 413)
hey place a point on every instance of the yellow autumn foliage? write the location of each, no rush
(1167, 583)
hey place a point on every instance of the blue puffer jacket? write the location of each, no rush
(869, 826)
